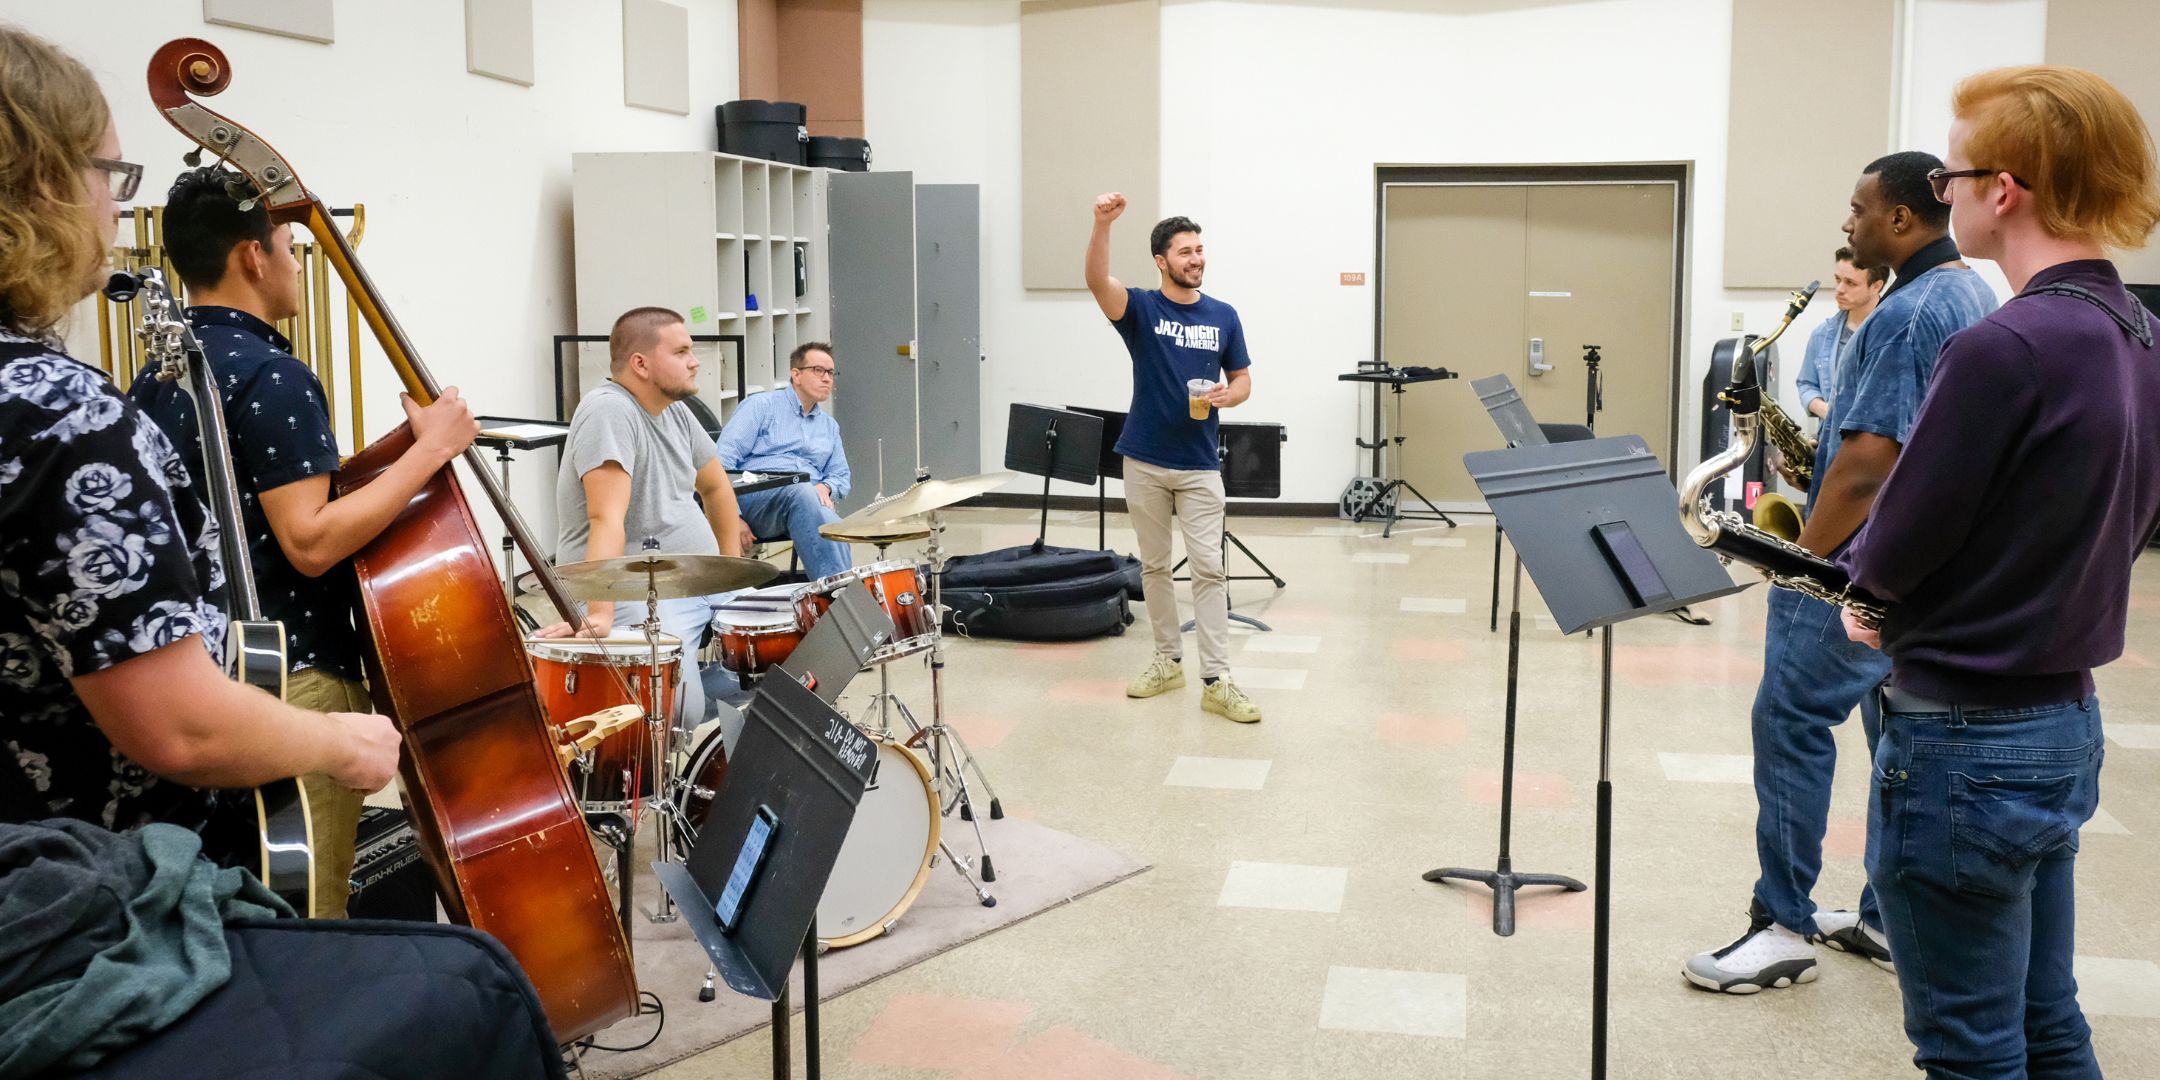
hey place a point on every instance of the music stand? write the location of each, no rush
(1055, 444)
(805, 762)
(1110, 466)
(1388, 495)
(1251, 456)
(505, 434)
(1597, 524)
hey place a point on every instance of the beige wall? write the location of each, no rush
(2114, 38)
(1792, 162)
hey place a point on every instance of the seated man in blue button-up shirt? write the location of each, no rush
(789, 430)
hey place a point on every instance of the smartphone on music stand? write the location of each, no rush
(749, 860)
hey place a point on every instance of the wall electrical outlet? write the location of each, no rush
(1739, 320)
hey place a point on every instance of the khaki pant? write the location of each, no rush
(333, 808)
(1195, 497)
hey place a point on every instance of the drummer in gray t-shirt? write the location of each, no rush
(634, 457)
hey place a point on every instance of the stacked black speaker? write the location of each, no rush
(780, 131)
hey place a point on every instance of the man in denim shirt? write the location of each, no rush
(790, 430)
(1857, 291)
(2002, 546)
(1812, 676)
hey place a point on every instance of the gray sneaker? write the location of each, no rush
(1843, 931)
(1767, 957)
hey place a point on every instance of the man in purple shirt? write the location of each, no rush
(2002, 543)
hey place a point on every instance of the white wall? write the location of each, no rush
(466, 179)
(1276, 112)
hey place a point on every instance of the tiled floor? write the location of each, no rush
(1285, 934)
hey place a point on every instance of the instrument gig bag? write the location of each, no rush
(1055, 594)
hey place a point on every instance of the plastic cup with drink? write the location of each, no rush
(1196, 397)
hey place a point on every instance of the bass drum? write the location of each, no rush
(883, 862)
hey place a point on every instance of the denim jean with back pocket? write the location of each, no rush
(1975, 820)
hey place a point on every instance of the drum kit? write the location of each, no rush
(609, 701)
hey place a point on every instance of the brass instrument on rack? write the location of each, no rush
(1785, 563)
(312, 332)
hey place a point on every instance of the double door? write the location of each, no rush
(1517, 279)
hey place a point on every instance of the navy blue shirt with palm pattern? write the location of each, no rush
(278, 419)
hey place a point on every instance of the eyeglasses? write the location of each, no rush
(1939, 179)
(824, 371)
(123, 176)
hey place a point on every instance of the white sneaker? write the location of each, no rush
(1843, 931)
(1162, 676)
(1767, 957)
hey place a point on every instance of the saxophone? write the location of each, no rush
(1786, 564)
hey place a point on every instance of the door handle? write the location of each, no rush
(1538, 366)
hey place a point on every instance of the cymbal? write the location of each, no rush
(924, 497)
(898, 532)
(673, 576)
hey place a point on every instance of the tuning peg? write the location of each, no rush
(193, 157)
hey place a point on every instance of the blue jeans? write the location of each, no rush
(688, 619)
(1978, 813)
(795, 512)
(1812, 679)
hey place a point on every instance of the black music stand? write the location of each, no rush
(810, 766)
(1597, 526)
(1110, 466)
(1251, 456)
(506, 434)
(1055, 444)
(1386, 495)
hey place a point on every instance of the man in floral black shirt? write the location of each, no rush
(242, 277)
(114, 705)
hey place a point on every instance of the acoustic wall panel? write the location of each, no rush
(1090, 122)
(309, 20)
(1789, 166)
(2098, 35)
(656, 56)
(499, 39)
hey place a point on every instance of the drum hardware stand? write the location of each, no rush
(1392, 486)
(949, 756)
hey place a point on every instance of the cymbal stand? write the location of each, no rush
(949, 756)
(660, 736)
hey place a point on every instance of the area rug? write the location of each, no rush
(1038, 869)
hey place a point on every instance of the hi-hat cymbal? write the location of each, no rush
(898, 532)
(924, 497)
(672, 576)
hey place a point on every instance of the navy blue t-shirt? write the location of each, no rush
(280, 427)
(1171, 343)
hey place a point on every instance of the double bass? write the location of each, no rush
(490, 807)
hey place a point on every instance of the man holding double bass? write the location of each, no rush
(240, 271)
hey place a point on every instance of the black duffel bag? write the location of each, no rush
(1056, 594)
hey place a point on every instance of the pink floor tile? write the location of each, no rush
(941, 1033)
(1094, 690)
(1845, 839)
(1542, 907)
(1065, 1054)
(1410, 649)
(1482, 786)
(1687, 665)
(1409, 728)
(1063, 648)
(2136, 659)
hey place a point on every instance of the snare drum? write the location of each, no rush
(885, 859)
(898, 587)
(759, 628)
(572, 678)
